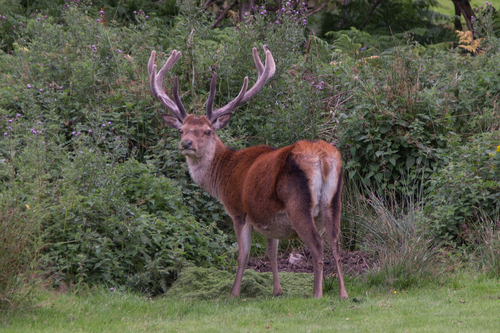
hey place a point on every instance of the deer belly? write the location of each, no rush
(280, 227)
(276, 227)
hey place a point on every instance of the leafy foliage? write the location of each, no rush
(467, 189)
(394, 129)
(390, 18)
(102, 219)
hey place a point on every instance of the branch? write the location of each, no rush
(370, 13)
(207, 4)
(317, 9)
(223, 14)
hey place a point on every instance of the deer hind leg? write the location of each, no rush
(303, 223)
(272, 254)
(243, 230)
(331, 220)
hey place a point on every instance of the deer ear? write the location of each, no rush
(171, 121)
(222, 121)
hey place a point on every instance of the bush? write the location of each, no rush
(467, 189)
(103, 218)
(395, 129)
(391, 18)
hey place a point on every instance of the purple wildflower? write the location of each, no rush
(29, 86)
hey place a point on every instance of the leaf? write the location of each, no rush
(27, 206)
(384, 129)
(410, 161)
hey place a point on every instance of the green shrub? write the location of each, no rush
(395, 128)
(103, 220)
(389, 19)
(466, 189)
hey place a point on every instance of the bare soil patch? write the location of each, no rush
(353, 263)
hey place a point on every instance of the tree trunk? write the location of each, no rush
(463, 7)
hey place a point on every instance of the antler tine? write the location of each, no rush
(211, 96)
(156, 79)
(177, 98)
(229, 108)
(265, 72)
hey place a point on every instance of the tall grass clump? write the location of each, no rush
(19, 246)
(389, 230)
(486, 257)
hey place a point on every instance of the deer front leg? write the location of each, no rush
(243, 230)
(272, 254)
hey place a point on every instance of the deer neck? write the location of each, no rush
(202, 170)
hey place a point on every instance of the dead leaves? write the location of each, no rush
(468, 43)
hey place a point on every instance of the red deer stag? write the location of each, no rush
(281, 193)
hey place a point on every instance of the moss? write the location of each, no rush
(210, 283)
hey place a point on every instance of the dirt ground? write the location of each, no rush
(353, 263)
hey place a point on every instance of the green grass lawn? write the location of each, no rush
(446, 6)
(467, 304)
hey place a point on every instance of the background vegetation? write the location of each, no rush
(93, 189)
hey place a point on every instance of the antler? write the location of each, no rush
(244, 96)
(156, 79)
(177, 108)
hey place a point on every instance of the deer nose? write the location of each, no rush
(187, 144)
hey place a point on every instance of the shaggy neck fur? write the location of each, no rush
(203, 170)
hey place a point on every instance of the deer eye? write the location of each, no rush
(181, 131)
(208, 132)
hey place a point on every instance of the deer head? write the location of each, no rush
(198, 133)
